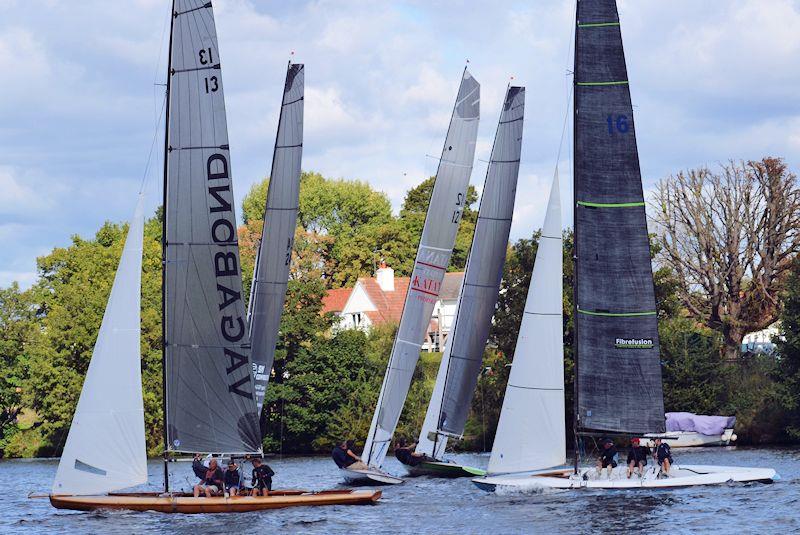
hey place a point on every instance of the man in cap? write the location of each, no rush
(637, 458)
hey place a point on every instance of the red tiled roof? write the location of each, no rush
(335, 300)
(389, 304)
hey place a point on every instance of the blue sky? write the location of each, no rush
(710, 81)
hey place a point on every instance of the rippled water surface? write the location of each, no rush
(425, 504)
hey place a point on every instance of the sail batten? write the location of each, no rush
(479, 291)
(280, 218)
(447, 203)
(617, 351)
(210, 402)
(105, 449)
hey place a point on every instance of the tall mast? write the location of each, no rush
(164, 256)
(575, 416)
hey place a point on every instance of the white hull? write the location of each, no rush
(690, 439)
(369, 477)
(680, 476)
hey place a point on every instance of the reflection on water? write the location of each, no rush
(426, 505)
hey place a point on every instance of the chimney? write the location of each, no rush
(385, 277)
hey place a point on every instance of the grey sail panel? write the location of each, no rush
(280, 218)
(618, 368)
(209, 385)
(433, 257)
(485, 267)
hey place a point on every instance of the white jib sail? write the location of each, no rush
(531, 433)
(428, 442)
(105, 448)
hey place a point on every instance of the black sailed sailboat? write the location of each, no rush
(209, 401)
(618, 389)
(274, 255)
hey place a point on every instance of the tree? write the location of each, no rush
(788, 345)
(730, 237)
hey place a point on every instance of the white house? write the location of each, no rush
(373, 301)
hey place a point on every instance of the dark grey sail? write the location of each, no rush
(433, 257)
(210, 404)
(280, 218)
(617, 352)
(485, 266)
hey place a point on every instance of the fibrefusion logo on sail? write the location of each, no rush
(226, 264)
(633, 343)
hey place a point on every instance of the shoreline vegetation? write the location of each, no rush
(325, 382)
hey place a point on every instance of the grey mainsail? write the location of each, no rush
(433, 256)
(210, 406)
(280, 218)
(484, 268)
(618, 383)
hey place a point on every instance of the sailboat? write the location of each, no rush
(618, 388)
(463, 354)
(209, 396)
(446, 206)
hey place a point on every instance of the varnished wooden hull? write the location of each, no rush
(164, 503)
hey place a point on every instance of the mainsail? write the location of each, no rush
(531, 431)
(433, 256)
(275, 250)
(617, 354)
(210, 403)
(451, 401)
(105, 449)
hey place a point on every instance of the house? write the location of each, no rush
(761, 341)
(378, 300)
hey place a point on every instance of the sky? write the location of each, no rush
(82, 92)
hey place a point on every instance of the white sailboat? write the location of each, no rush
(616, 323)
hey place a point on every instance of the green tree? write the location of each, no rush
(788, 345)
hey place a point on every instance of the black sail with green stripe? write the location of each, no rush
(618, 386)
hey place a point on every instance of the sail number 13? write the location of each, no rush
(618, 124)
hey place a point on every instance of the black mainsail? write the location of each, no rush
(618, 380)
(209, 396)
(280, 218)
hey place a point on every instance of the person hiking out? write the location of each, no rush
(405, 453)
(262, 478)
(344, 457)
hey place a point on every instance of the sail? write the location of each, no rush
(105, 449)
(280, 218)
(209, 385)
(430, 443)
(484, 267)
(531, 431)
(617, 351)
(433, 256)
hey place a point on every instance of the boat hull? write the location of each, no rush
(444, 469)
(680, 476)
(369, 477)
(164, 503)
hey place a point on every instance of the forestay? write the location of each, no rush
(105, 449)
(209, 385)
(433, 257)
(274, 255)
(531, 430)
(617, 351)
(485, 267)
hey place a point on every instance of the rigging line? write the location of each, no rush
(152, 145)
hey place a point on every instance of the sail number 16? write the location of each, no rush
(618, 124)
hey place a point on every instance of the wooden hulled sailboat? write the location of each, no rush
(209, 385)
(433, 256)
(618, 389)
(463, 354)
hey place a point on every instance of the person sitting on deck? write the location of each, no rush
(405, 453)
(262, 478)
(663, 455)
(213, 481)
(637, 458)
(232, 479)
(344, 457)
(607, 459)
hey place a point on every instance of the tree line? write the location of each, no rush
(326, 382)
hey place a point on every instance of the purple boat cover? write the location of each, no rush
(705, 425)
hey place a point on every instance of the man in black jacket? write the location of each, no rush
(262, 478)
(637, 458)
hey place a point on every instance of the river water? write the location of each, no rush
(428, 505)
